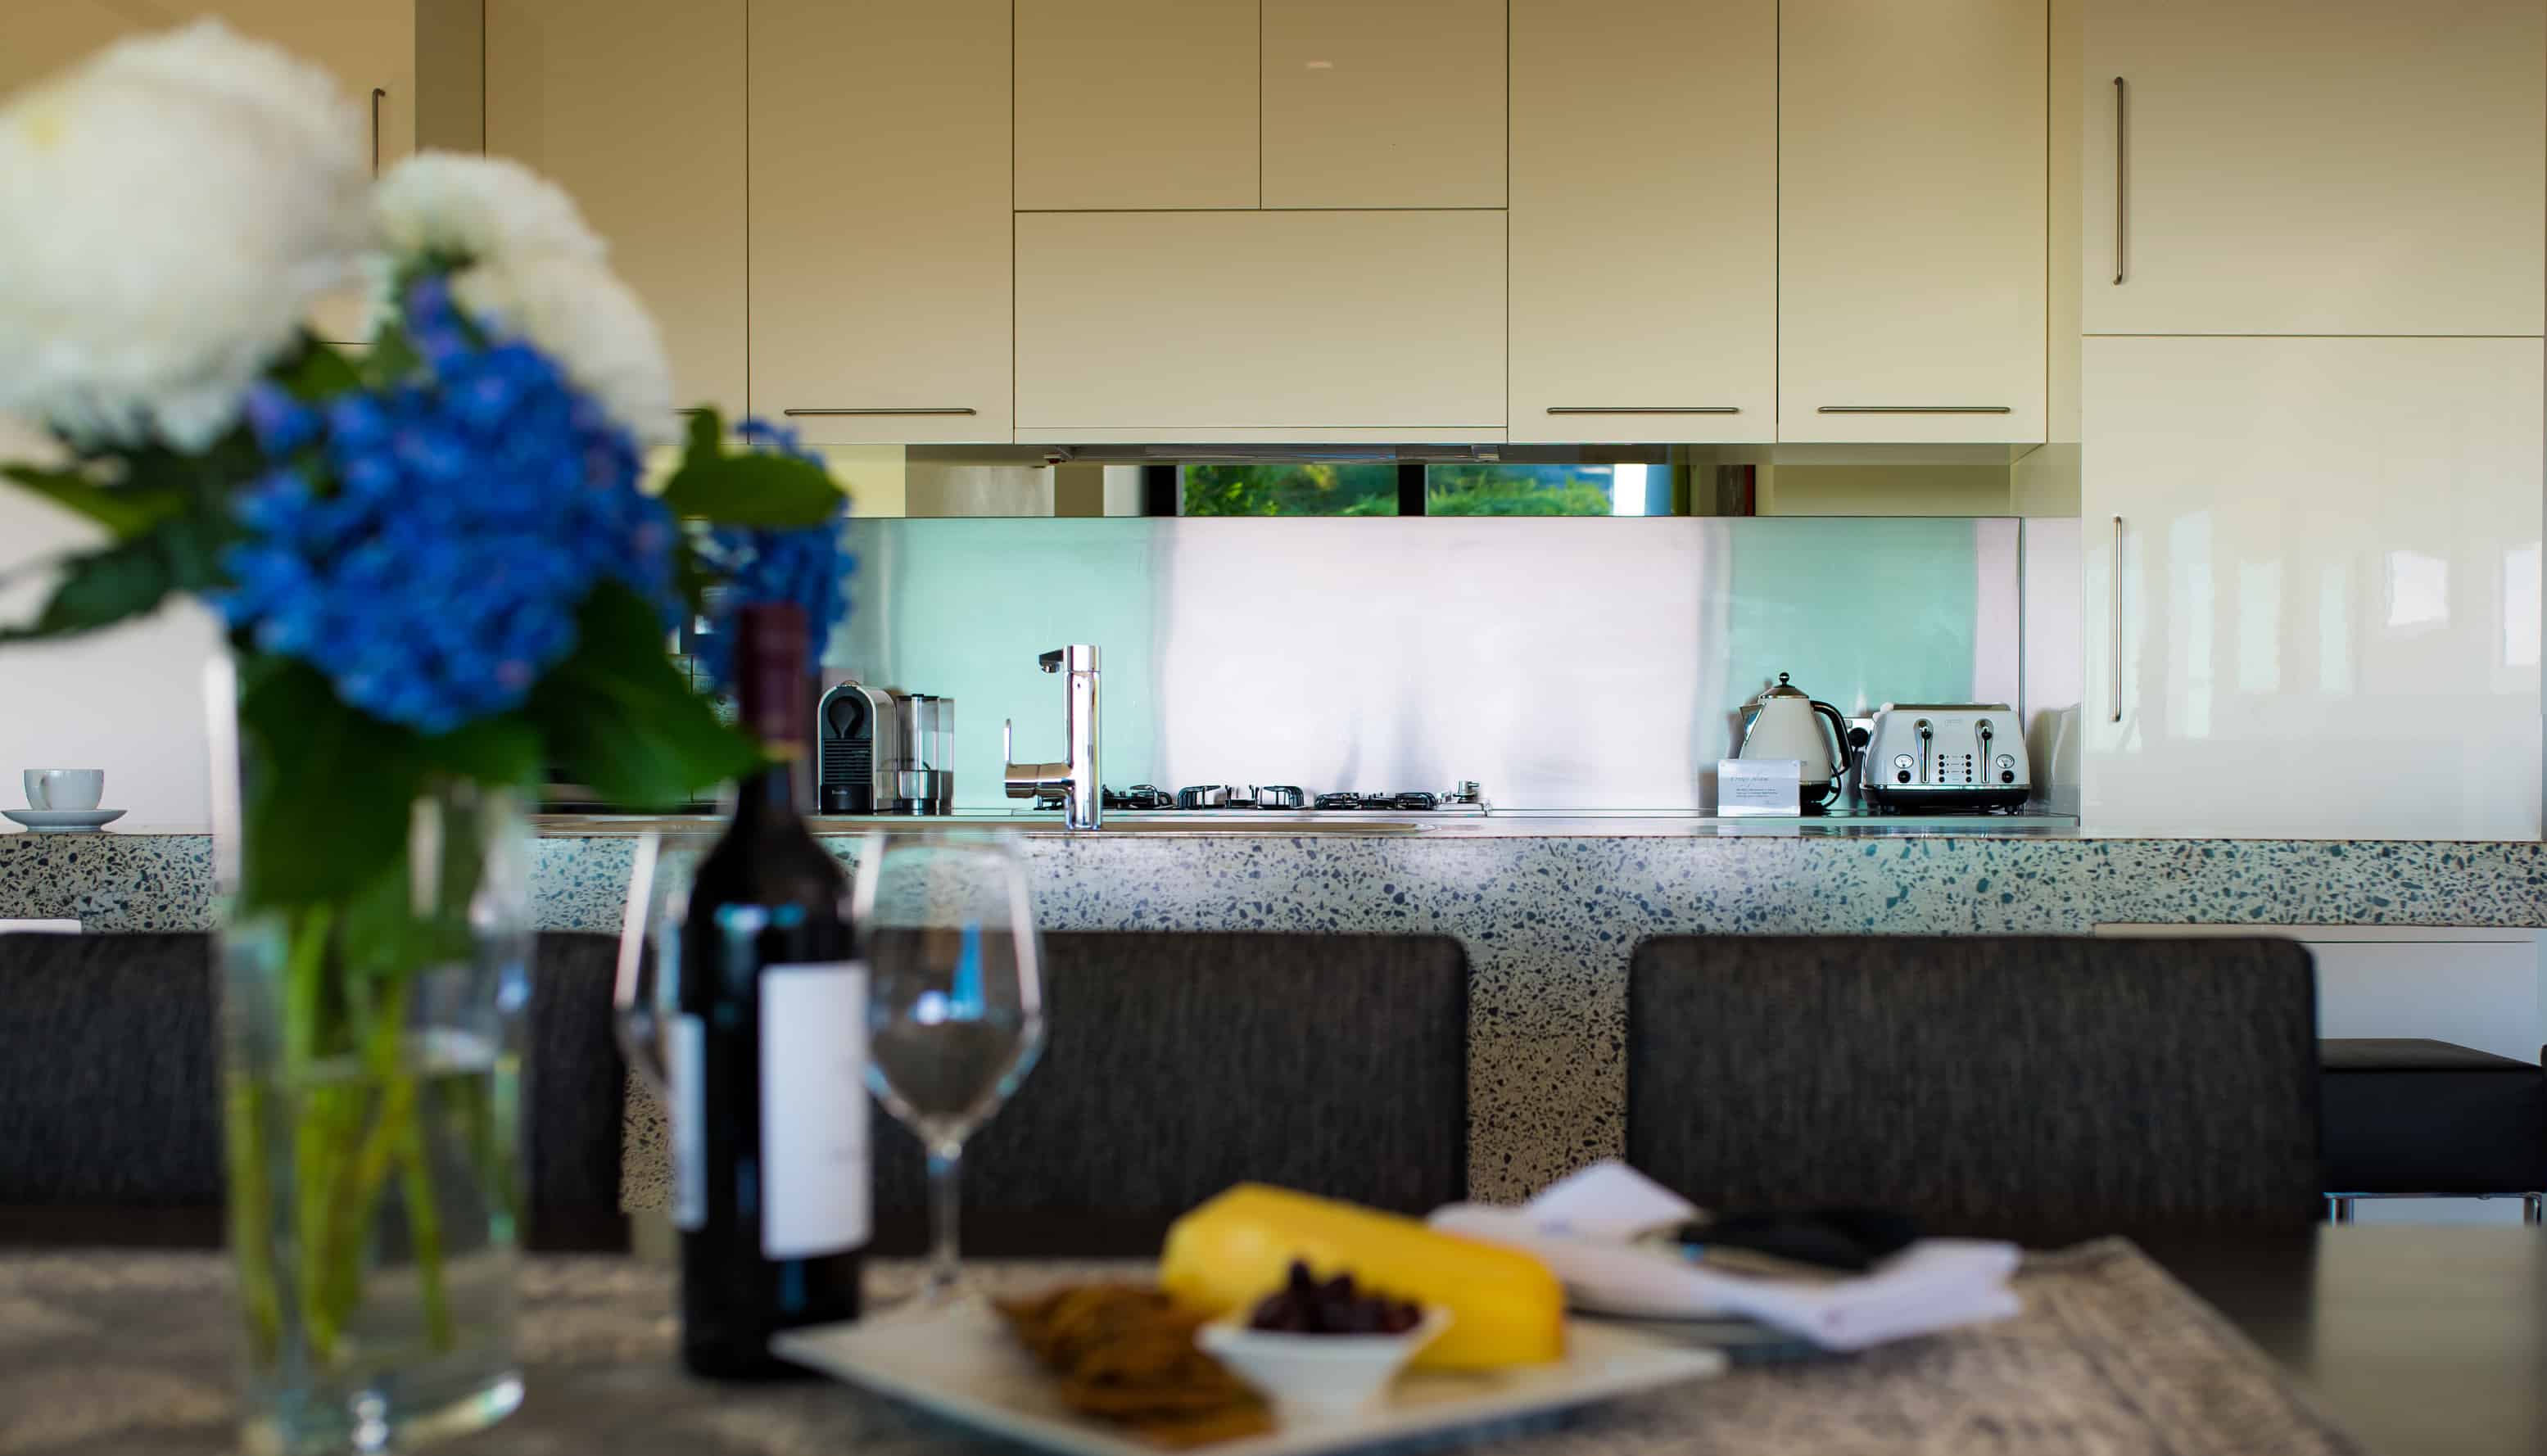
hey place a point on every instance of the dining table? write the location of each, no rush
(2399, 1340)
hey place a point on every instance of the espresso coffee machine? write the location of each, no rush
(882, 750)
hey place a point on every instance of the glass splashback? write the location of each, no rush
(1565, 664)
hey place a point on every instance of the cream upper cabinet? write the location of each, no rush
(1645, 248)
(370, 46)
(1135, 104)
(1390, 105)
(2328, 599)
(880, 218)
(41, 36)
(1911, 221)
(2315, 167)
(635, 108)
(1296, 325)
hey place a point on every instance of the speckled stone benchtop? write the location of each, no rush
(1548, 919)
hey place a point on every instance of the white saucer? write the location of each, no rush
(63, 821)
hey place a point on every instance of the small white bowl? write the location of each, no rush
(1315, 1377)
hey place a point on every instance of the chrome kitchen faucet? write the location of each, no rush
(1073, 786)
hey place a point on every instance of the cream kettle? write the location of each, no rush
(1785, 722)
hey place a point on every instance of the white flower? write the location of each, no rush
(489, 209)
(169, 210)
(581, 315)
(531, 266)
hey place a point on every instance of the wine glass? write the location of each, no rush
(955, 999)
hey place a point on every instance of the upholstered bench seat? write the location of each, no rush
(2405, 1115)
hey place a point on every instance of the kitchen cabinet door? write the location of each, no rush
(1911, 221)
(370, 46)
(2315, 167)
(48, 35)
(635, 108)
(1137, 104)
(880, 218)
(2319, 560)
(1396, 105)
(1644, 243)
(1293, 326)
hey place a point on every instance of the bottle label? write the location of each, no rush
(815, 1185)
(685, 1073)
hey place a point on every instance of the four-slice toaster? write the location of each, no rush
(1945, 758)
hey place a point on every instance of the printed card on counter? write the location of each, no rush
(1760, 786)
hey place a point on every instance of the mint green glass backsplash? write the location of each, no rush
(1588, 663)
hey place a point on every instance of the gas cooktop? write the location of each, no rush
(1465, 798)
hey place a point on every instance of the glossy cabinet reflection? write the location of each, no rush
(2328, 606)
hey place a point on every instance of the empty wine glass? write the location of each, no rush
(955, 998)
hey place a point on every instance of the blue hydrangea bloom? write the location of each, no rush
(806, 567)
(426, 545)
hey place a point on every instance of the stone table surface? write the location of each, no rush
(2401, 1340)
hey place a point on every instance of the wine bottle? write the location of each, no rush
(767, 1056)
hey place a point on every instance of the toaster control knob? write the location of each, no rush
(2007, 776)
(1902, 775)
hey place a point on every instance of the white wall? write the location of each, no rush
(129, 700)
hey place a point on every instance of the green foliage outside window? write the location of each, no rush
(1332, 488)
(1311, 488)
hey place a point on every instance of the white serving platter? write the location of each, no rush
(962, 1363)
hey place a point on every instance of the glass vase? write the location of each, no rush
(371, 1057)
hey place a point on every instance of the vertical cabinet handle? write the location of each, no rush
(2118, 620)
(2121, 174)
(377, 96)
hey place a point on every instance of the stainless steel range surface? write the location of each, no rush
(1463, 798)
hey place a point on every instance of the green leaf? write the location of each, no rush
(100, 588)
(766, 492)
(123, 510)
(319, 371)
(706, 438)
(620, 718)
(328, 788)
(504, 751)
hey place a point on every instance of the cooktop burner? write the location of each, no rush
(1466, 798)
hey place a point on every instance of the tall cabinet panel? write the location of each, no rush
(1644, 244)
(2319, 560)
(370, 46)
(880, 239)
(1137, 104)
(635, 107)
(2332, 167)
(1911, 221)
(1395, 105)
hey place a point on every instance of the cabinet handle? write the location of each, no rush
(2121, 173)
(1645, 409)
(926, 409)
(1916, 409)
(2118, 620)
(377, 96)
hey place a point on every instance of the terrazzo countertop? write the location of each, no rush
(1548, 919)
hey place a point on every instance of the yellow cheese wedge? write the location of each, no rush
(1229, 1253)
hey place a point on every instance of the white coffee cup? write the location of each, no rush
(64, 788)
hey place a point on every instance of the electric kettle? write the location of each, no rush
(1784, 721)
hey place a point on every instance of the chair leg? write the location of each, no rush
(2338, 1210)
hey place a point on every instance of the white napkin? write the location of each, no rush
(1581, 1228)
